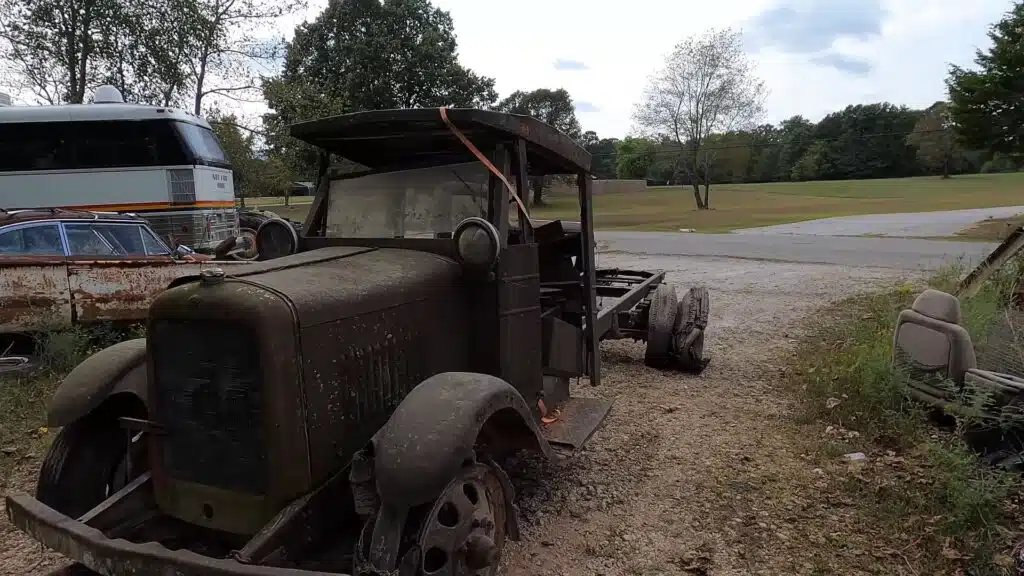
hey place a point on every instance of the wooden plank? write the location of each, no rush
(1009, 248)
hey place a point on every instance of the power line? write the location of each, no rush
(677, 151)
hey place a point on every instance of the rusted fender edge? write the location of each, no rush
(113, 370)
(93, 549)
(433, 431)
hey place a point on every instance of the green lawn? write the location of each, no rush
(748, 205)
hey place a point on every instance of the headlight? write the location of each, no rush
(477, 243)
(276, 238)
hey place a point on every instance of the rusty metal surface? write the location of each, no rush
(8, 217)
(94, 550)
(51, 292)
(34, 294)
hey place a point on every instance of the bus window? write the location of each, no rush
(123, 143)
(202, 142)
(34, 146)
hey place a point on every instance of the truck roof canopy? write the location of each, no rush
(398, 139)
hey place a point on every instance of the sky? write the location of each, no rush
(814, 56)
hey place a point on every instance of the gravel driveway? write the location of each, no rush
(689, 472)
(697, 475)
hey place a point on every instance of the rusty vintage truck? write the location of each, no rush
(60, 268)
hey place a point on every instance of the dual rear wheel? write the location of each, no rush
(675, 328)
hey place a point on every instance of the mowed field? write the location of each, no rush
(735, 206)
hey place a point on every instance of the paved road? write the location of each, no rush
(917, 224)
(901, 253)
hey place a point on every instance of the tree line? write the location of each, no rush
(697, 124)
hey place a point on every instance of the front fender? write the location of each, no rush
(113, 370)
(435, 428)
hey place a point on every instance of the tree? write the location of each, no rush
(985, 104)
(634, 158)
(57, 48)
(226, 48)
(553, 107)
(707, 85)
(166, 52)
(934, 140)
(365, 55)
(603, 154)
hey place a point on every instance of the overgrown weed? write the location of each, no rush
(24, 398)
(922, 484)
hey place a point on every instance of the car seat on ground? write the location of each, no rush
(929, 340)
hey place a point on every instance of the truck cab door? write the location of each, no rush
(115, 270)
(34, 291)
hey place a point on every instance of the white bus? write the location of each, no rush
(162, 164)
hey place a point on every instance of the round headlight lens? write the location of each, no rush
(476, 241)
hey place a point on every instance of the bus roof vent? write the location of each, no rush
(107, 94)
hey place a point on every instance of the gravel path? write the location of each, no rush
(690, 475)
(697, 475)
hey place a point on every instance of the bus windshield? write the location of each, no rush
(202, 142)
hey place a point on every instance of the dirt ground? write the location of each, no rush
(691, 474)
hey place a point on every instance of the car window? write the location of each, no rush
(83, 240)
(154, 246)
(125, 239)
(39, 240)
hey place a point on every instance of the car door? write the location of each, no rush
(116, 269)
(34, 291)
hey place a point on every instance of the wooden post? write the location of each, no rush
(592, 344)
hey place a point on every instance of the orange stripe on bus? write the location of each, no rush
(150, 206)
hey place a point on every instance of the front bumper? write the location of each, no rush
(111, 557)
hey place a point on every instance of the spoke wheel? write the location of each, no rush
(465, 530)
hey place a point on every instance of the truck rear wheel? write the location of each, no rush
(89, 461)
(661, 322)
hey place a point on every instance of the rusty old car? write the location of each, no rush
(346, 407)
(60, 268)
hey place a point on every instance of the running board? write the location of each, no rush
(578, 419)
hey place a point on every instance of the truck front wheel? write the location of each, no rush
(89, 461)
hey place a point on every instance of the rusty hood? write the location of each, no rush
(339, 282)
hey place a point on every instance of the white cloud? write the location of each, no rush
(621, 44)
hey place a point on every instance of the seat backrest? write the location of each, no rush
(929, 339)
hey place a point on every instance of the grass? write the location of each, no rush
(923, 489)
(737, 206)
(24, 398)
(750, 205)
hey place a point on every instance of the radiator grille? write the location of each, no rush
(209, 394)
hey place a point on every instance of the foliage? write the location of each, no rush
(634, 158)
(985, 104)
(553, 107)
(937, 489)
(603, 152)
(933, 137)
(706, 86)
(366, 55)
(173, 52)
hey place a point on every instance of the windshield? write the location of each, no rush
(202, 142)
(422, 203)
